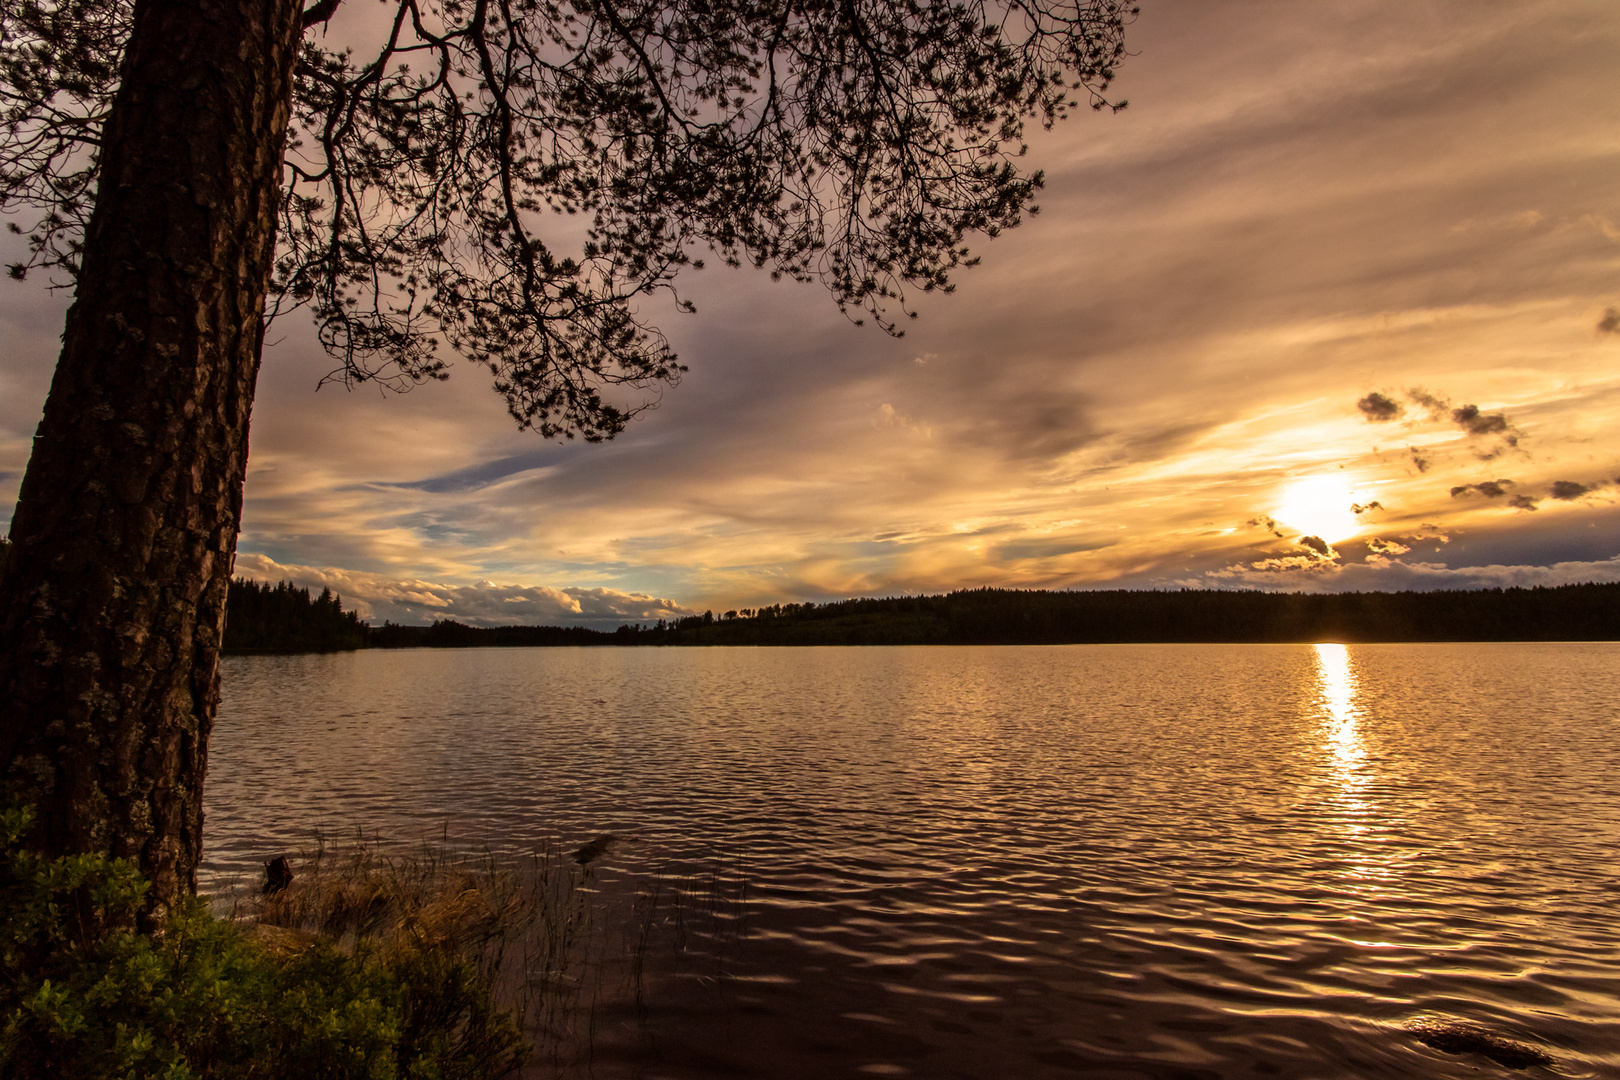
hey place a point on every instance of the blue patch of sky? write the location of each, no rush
(485, 473)
(1590, 536)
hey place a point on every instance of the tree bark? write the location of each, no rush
(113, 602)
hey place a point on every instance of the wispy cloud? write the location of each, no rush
(1308, 211)
(485, 603)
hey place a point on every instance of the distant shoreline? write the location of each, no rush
(1589, 612)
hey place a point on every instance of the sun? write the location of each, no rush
(1319, 506)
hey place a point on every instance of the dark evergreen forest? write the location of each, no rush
(449, 634)
(1015, 617)
(283, 619)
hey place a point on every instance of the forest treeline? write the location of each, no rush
(283, 618)
(1020, 617)
(273, 618)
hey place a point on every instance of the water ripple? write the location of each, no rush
(1110, 861)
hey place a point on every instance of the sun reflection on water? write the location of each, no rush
(1337, 687)
(1355, 810)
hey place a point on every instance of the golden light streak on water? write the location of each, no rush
(1336, 685)
(1357, 814)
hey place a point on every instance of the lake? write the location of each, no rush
(1109, 861)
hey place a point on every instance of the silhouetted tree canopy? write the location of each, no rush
(434, 146)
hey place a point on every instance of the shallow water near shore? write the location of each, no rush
(1127, 861)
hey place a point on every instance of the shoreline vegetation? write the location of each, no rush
(379, 984)
(286, 619)
(369, 961)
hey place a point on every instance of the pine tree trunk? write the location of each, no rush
(112, 607)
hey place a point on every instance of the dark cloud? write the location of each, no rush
(1318, 545)
(1566, 490)
(1362, 508)
(1570, 490)
(1491, 489)
(1267, 522)
(1610, 323)
(1562, 490)
(1379, 546)
(1477, 423)
(1429, 403)
(1379, 409)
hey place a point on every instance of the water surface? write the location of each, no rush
(1124, 861)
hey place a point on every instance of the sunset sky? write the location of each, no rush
(1336, 255)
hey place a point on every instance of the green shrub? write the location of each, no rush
(83, 994)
